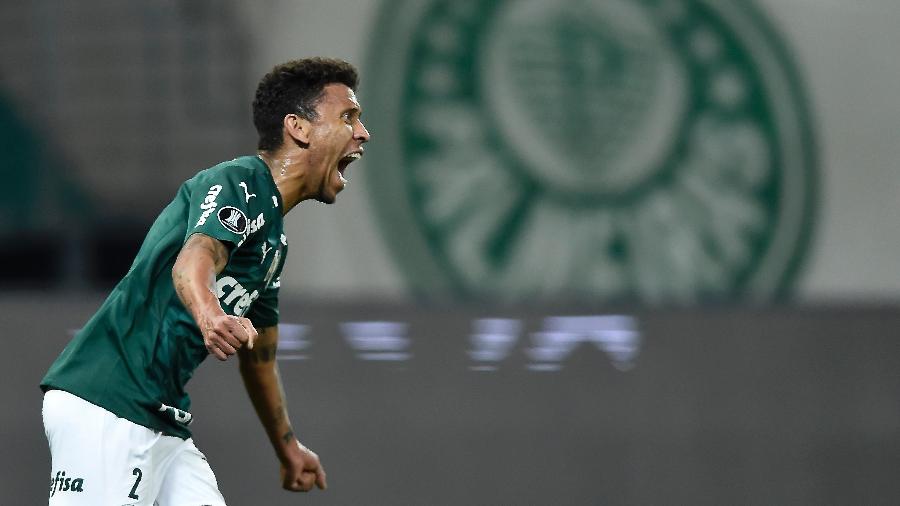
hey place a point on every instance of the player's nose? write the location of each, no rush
(360, 133)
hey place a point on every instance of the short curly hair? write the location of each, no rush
(295, 87)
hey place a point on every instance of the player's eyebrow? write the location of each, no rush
(352, 109)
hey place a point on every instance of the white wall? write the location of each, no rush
(848, 51)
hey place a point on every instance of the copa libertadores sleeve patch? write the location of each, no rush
(220, 205)
(233, 219)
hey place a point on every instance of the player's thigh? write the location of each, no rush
(97, 458)
(189, 481)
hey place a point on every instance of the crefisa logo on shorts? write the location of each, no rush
(658, 151)
(62, 483)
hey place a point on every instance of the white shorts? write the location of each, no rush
(100, 459)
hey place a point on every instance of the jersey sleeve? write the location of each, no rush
(264, 310)
(218, 207)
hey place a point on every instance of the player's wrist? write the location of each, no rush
(290, 458)
(289, 449)
(207, 311)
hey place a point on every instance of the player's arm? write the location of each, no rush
(194, 275)
(300, 466)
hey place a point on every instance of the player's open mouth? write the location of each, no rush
(345, 161)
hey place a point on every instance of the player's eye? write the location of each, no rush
(350, 117)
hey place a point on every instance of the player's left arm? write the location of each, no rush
(300, 467)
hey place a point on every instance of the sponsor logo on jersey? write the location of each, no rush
(233, 219)
(256, 224)
(253, 227)
(179, 415)
(61, 483)
(649, 150)
(209, 203)
(233, 295)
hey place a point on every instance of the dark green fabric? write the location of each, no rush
(138, 351)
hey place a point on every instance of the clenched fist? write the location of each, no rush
(302, 470)
(223, 335)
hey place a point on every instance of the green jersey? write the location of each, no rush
(135, 355)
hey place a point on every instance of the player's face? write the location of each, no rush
(336, 139)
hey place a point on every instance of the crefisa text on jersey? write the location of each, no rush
(255, 225)
(252, 228)
(238, 290)
(60, 483)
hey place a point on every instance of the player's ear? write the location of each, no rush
(297, 127)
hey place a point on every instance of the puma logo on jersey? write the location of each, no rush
(60, 483)
(237, 295)
(272, 268)
(209, 203)
(247, 194)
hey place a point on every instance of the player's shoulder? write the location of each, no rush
(235, 170)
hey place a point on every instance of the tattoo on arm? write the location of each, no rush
(263, 351)
(261, 354)
(260, 371)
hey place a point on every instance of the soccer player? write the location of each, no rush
(205, 282)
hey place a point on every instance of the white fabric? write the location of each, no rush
(99, 459)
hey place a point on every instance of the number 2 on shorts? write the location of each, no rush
(137, 472)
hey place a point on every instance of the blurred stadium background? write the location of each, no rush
(598, 252)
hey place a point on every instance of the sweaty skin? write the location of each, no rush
(300, 467)
(309, 164)
(194, 273)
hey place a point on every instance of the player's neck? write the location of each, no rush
(288, 167)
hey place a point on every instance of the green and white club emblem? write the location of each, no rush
(651, 150)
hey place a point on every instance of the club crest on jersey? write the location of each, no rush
(233, 219)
